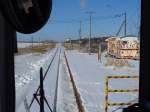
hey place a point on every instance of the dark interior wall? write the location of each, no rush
(145, 57)
(7, 83)
(15, 43)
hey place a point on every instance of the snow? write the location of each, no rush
(24, 44)
(65, 97)
(117, 38)
(90, 75)
(27, 72)
(129, 39)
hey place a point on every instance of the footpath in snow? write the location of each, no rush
(90, 75)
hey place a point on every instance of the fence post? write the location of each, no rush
(106, 96)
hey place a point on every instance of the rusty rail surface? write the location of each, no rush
(76, 92)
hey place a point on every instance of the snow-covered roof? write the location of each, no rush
(68, 39)
(129, 38)
(117, 38)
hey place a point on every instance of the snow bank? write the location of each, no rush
(24, 45)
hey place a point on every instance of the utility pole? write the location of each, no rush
(125, 19)
(90, 32)
(39, 41)
(123, 25)
(32, 43)
(80, 29)
(80, 34)
(70, 44)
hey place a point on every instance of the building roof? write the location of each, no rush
(130, 38)
(111, 38)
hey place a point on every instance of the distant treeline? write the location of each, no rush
(83, 43)
(93, 39)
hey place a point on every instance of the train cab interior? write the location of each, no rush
(13, 19)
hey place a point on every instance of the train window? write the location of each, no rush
(76, 55)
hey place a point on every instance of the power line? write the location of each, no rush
(86, 19)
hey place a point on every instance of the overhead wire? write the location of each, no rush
(86, 19)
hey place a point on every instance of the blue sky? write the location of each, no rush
(59, 26)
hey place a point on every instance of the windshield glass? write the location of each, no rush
(89, 51)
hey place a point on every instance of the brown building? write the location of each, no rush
(126, 47)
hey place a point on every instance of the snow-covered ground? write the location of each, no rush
(27, 73)
(49, 87)
(27, 81)
(24, 45)
(90, 75)
(66, 100)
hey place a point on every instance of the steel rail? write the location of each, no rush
(76, 92)
(56, 89)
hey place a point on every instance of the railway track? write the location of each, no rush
(56, 89)
(76, 92)
(49, 78)
(51, 103)
(33, 98)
